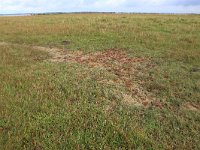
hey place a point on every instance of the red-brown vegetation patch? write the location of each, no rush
(115, 62)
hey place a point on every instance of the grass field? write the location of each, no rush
(123, 81)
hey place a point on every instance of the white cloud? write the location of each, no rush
(172, 6)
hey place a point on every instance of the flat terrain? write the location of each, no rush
(100, 81)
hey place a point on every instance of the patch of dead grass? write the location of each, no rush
(115, 62)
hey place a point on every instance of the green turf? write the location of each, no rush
(46, 105)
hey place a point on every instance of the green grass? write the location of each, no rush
(46, 105)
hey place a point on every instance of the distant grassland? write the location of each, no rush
(145, 34)
(47, 105)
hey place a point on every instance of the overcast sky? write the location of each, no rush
(156, 6)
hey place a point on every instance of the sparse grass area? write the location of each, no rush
(49, 105)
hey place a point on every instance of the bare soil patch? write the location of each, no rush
(191, 107)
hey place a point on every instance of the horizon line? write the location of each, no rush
(113, 12)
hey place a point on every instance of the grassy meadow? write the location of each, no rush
(66, 105)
